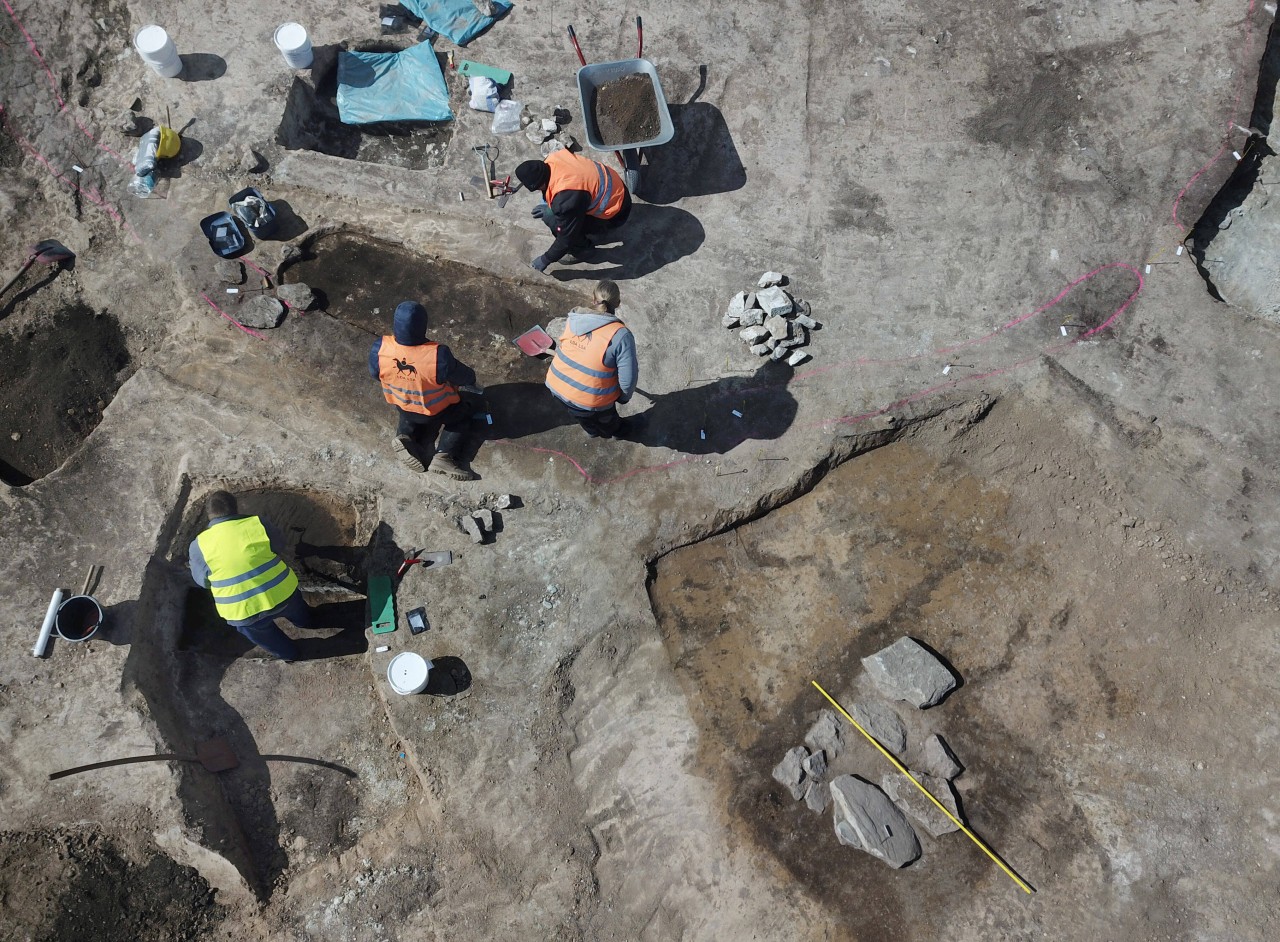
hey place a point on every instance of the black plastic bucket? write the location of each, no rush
(78, 618)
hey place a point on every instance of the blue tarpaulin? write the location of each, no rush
(456, 20)
(392, 86)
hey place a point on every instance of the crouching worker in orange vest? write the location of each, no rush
(581, 198)
(421, 379)
(237, 558)
(595, 365)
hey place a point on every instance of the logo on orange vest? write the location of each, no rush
(404, 366)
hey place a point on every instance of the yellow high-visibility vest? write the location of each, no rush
(246, 576)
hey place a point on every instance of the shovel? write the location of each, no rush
(49, 252)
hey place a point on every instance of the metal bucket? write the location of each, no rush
(78, 618)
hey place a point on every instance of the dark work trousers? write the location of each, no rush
(267, 636)
(593, 226)
(456, 422)
(601, 423)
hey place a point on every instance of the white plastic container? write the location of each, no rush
(158, 51)
(294, 44)
(408, 672)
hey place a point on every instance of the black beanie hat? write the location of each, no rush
(533, 174)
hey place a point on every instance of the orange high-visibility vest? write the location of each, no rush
(408, 377)
(570, 171)
(578, 374)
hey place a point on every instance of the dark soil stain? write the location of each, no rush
(57, 885)
(57, 374)
(626, 110)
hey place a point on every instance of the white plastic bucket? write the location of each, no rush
(158, 51)
(408, 672)
(294, 44)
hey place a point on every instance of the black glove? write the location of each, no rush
(541, 211)
(540, 263)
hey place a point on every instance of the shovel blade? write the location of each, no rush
(51, 252)
(216, 755)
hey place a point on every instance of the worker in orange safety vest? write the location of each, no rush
(595, 365)
(422, 379)
(581, 198)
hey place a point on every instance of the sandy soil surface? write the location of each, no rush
(1030, 437)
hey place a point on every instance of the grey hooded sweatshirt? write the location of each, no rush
(621, 352)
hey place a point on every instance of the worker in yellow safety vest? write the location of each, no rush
(595, 365)
(237, 558)
(581, 199)
(422, 380)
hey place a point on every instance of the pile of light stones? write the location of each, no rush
(772, 322)
(870, 818)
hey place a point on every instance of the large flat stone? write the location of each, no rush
(906, 671)
(910, 799)
(865, 818)
(826, 735)
(939, 759)
(881, 722)
(774, 301)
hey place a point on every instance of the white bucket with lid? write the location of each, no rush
(408, 672)
(158, 51)
(294, 44)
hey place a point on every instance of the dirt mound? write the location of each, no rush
(626, 110)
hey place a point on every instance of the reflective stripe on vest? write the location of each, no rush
(246, 576)
(408, 377)
(578, 374)
(570, 171)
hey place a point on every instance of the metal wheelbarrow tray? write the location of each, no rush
(591, 77)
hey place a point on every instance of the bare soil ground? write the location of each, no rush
(626, 110)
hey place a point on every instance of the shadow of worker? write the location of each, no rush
(701, 419)
(651, 238)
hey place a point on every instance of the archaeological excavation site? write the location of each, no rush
(512, 470)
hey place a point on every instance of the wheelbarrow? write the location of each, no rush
(592, 77)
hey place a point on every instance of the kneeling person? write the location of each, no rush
(595, 364)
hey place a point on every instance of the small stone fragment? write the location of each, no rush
(818, 796)
(771, 278)
(485, 519)
(128, 124)
(797, 357)
(778, 327)
(911, 800)
(504, 501)
(804, 320)
(550, 125)
(261, 312)
(906, 671)
(780, 351)
(752, 317)
(16, 436)
(867, 819)
(471, 527)
(250, 160)
(738, 303)
(761, 349)
(825, 735)
(754, 334)
(774, 301)
(297, 295)
(229, 271)
(535, 133)
(883, 723)
(802, 307)
(799, 338)
(771, 343)
(939, 760)
(815, 766)
(751, 300)
(789, 773)
(730, 321)
(551, 146)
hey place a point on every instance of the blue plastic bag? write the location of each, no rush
(457, 20)
(392, 86)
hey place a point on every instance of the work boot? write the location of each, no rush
(449, 467)
(407, 457)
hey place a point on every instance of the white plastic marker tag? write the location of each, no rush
(946, 369)
(1064, 330)
(702, 433)
(77, 169)
(737, 413)
(1148, 269)
(233, 291)
(1179, 250)
(488, 418)
(382, 648)
(1236, 155)
(388, 21)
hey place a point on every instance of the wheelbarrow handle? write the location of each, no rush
(574, 39)
(640, 38)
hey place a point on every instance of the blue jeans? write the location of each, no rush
(267, 636)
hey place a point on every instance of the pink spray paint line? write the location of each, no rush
(1231, 121)
(92, 194)
(916, 396)
(248, 330)
(263, 272)
(53, 82)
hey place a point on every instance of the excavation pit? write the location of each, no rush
(58, 371)
(360, 280)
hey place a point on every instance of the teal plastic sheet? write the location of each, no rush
(457, 20)
(392, 86)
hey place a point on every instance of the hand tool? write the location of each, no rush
(48, 252)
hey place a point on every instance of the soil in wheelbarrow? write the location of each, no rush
(626, 110)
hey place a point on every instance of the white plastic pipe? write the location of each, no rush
(47, 628)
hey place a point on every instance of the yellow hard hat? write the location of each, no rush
(169, 144)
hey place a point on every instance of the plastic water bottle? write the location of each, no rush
(144, 160)
(141, 186)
